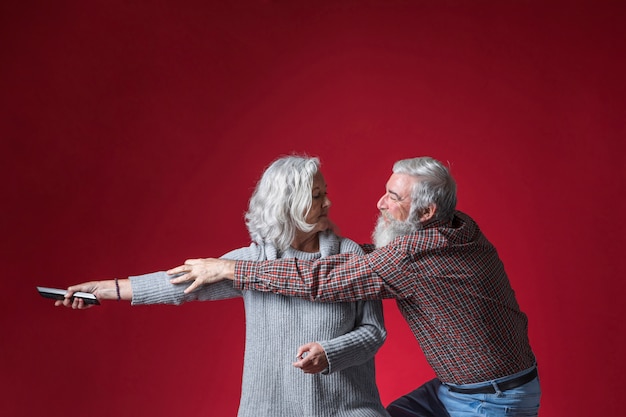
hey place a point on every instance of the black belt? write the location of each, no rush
(502, 386)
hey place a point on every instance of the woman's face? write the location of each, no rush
(318, 214)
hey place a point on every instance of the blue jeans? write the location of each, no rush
(522, 401)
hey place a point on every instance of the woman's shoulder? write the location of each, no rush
(350, 246)
(254, 252)
(343, 244)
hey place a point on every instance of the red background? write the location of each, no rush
(134, 131)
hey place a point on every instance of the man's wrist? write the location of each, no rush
(239, 275)
(230, 270)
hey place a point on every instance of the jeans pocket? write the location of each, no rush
(509, 411)
(511, 407)
(522, 411)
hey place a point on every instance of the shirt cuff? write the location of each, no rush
(244, 273)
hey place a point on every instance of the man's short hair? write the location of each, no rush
(435, 185)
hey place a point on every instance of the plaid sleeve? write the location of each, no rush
(344, 277)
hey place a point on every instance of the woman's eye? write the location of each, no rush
(320, 195)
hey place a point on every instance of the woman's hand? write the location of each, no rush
(94, 287)
(311, 358)
(202, 271)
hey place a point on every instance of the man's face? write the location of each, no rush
(395, 207)
(396, 202)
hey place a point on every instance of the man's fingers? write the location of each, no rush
(177, 270)
(192, 287)
(185, 267)
(180, 279)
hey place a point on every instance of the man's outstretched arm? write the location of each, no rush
(343, 277)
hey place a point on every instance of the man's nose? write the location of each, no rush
(382, 203)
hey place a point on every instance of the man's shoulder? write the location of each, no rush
(461, 217)
(458, 230)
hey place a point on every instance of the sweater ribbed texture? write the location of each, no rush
(351, 334)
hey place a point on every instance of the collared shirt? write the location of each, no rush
(449, 284)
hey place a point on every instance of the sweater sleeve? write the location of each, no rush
(360, 344)
(368, 335)
(156, 288)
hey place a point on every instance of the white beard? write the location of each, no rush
(387, 229)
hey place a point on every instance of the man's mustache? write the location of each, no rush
(385, 215)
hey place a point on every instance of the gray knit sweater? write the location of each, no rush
(351, 334)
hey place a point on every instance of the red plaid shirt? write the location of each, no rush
(449, 284)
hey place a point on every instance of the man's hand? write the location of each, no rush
(311, 358)
(202, 271)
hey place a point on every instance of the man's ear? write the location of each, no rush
(428, 213)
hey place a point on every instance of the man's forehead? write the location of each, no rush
(401, 183)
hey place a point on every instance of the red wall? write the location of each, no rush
(133, 133)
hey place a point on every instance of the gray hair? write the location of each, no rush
(435, 185)
(281, 201)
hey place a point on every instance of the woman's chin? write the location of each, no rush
(324, 224)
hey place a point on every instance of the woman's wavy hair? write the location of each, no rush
(435, 186)
(281, 201)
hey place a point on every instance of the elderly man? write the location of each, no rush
(448, 281)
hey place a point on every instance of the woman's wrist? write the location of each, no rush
(115, 289)
(126, 289)
(106, 290)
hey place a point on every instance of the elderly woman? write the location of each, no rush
(334, 343)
